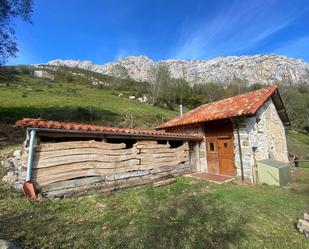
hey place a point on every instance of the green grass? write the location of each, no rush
(73, 99)
(298, 143)
(188, 214)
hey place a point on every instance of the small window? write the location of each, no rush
(211, 146)
(225, 145)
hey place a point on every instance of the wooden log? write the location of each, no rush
(87, 181)
(78, 191)
(79, 151)
(164, 182)
(79, 144)
(125, 175)
(147, 142)
(88, 165)
(153, 161)
(152, 151)
(157, 165)
(151, 146)
(81, 158)
(47, 179)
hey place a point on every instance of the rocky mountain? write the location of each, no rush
(264, 69)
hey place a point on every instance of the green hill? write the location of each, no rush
(71, 96)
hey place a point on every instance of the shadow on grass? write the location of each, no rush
(171, 217)
(83, 114)
(183, 222)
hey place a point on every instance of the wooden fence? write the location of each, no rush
(74, 168)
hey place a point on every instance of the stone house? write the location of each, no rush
(237, 132)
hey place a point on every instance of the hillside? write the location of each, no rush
(75, 95)
(85, 96)
(262, 69)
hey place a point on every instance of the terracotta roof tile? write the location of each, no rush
(240, 105)
(41, 123)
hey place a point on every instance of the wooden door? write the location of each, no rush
(212, 155)
(226, 156)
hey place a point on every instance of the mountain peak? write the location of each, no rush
(261, 68)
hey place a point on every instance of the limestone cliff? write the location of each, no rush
(264, 69)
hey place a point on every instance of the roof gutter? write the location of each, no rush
(108, 133)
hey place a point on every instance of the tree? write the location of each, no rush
(160, 77)
(9, 10)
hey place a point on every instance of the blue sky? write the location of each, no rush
(103, 31)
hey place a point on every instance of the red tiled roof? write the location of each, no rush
(240, 105)
(65, 126)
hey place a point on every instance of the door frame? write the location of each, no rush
(213, 132)
(220, 157)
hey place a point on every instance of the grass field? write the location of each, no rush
(190, 213)
(69, 98)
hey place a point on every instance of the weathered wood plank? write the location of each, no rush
(151, 146)
(156, 165)
(77, 191)
(87, 181)
(78, 151)
(116, 166)
(163, 160)
(81, 158)
(79, 144)
(162, 150)
(47, 179)
(164, 182)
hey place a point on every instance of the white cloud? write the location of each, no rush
(235, 27)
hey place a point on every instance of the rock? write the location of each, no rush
(43, 74)
(264, 68)
(143, 99)
(10, 178)
(131, 97)
(303, 225)
(17, 153)
(7, 164)
(7, 245)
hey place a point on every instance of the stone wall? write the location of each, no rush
(245, 149)
(262, 137)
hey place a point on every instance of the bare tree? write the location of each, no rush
(160, 77)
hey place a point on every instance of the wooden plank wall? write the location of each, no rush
(74, 168)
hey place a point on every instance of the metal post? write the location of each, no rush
(240, 152)
(30, 155)
(180, 109)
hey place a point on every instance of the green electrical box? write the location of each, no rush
(273, 172)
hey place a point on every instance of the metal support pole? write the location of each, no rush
(240, 153)
(30, 155)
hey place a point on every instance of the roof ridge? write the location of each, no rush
(255, 104)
